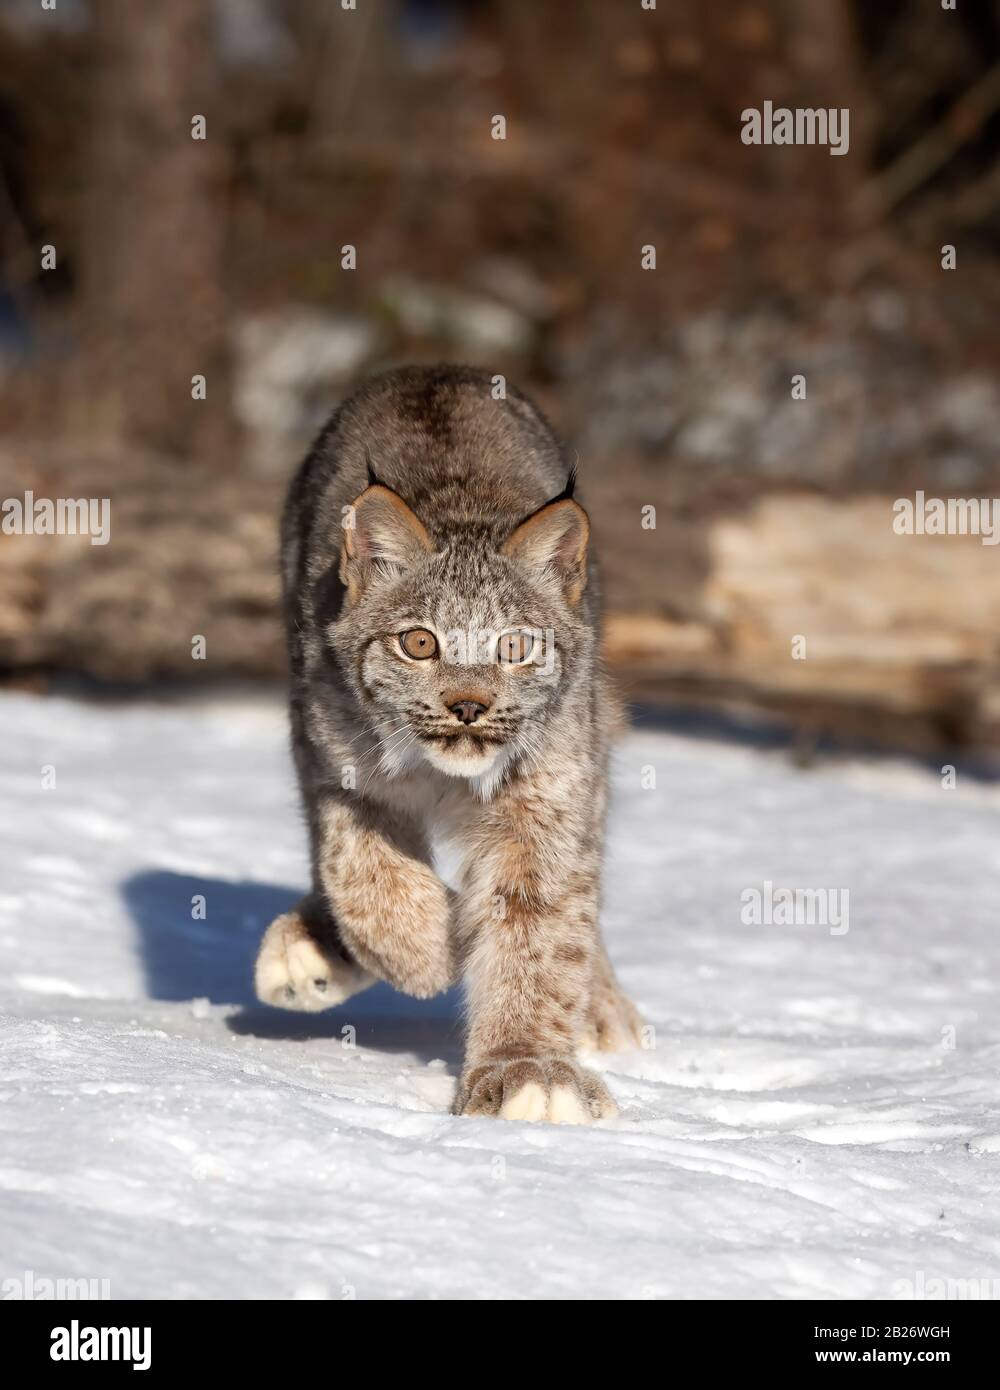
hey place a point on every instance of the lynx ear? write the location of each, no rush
(553, 540)
(380, 533)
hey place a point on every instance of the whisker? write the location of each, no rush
(375, 746)
(398, 747)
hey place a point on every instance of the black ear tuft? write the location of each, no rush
(372, 479)
(565, 496)
(569, 489)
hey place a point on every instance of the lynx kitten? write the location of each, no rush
(443, 631)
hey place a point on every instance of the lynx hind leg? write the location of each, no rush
(297, 969)
(613, 1023)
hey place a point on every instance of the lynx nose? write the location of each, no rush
(468, 711)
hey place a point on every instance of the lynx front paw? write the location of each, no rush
(294, 972)
(549, 1088)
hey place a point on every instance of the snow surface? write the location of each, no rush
(803, 1126)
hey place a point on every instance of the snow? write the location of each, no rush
(816, 1115)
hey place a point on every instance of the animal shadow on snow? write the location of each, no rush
(190, 957)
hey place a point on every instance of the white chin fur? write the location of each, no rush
(462, 763)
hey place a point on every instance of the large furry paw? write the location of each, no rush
(613, 1023)
(553, 1088)
(294, 971)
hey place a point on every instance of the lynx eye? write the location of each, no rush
(515, 648)
(418, 643)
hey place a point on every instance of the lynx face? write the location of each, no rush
(458, 654)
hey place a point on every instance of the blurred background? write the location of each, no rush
(329, 127)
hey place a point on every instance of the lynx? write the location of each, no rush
(443, 630)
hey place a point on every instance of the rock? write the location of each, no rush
(291, 368)
(470, 326)
(511, 282)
